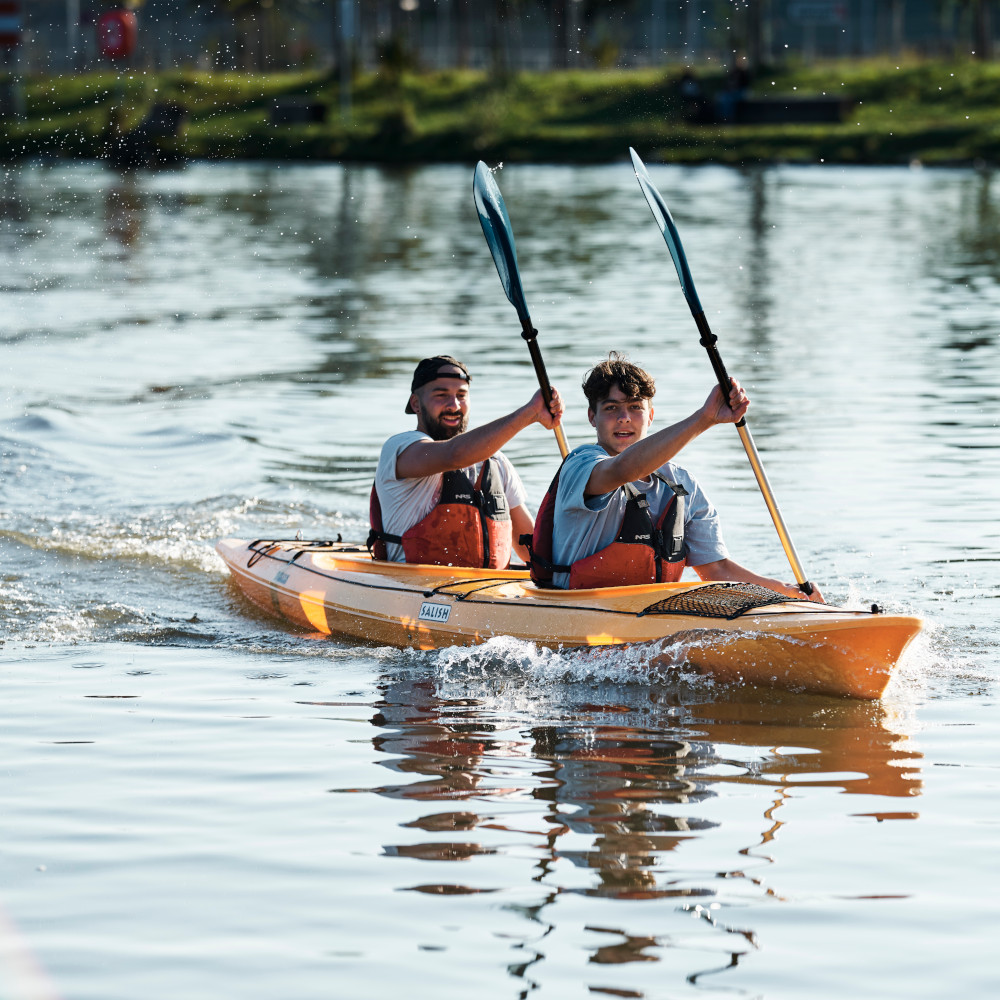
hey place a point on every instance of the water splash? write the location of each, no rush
(524, 672)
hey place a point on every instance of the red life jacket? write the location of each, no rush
(469, 526)
(641, 553)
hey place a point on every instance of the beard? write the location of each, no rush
(439, 431)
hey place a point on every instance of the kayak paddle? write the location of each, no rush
(500, 237)
(708, 340)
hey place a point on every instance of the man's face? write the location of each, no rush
(442, 407)
(620, 420)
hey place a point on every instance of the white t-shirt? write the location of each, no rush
(406, 501)
(585, 525)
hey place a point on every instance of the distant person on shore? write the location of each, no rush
(737, 84)
(619, 512)
(693, 101)
(444, 494)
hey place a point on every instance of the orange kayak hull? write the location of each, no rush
(797, 645)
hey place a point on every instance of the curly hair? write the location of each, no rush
(617, 370)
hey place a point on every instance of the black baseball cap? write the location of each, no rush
(428, 370)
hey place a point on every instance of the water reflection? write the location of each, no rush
(222, 350)
(977, 230)
(607, 798)
(124, 211)
(758, 289)
(606, 783)
(12, 207)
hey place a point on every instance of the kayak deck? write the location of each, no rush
(735, 632)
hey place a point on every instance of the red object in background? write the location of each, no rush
(117, 31)
(10, 23)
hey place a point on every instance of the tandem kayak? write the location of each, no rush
(735, 632)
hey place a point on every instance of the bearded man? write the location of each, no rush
(446, 495)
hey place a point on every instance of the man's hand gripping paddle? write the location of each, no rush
(500, 237)
(708, 340)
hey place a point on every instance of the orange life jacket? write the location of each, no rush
(469, 526)
(641, 553)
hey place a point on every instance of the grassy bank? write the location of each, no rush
(934, 112)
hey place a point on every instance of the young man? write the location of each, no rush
(447, 495)
(622, 512)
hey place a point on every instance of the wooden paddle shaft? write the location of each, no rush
(779, 522)
(708, 341)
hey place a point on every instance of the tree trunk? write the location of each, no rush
(692, 31)
(346, 31)
(756, 21)
(496, 19)
(395, 18)
(866, 29)
(244, 45)
(463, 39)
(560, 33)
(896, 11)
(982, 30)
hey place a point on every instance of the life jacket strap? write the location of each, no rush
(381, 536)
(670, 534)
(540, 562)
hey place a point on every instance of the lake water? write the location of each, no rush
(199, 803)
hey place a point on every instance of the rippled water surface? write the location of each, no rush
(199, 802)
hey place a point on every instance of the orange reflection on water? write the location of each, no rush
(603, 800)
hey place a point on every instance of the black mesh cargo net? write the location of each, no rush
(717, 600)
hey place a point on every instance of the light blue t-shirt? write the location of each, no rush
(585, 525)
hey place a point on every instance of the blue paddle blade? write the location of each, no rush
(499, 236)
(666, 223)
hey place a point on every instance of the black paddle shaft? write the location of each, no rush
(708, 341)
(499, 235)
(530, 335)
(668, 230)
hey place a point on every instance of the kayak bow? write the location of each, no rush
(734, 632)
